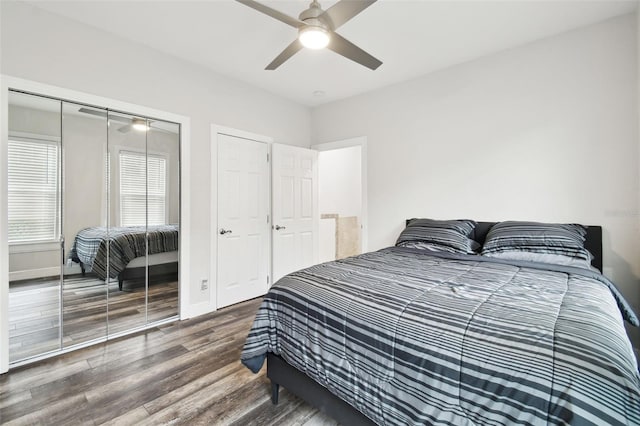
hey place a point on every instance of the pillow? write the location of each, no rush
(439, 235)
(556, 243)
(556, 259)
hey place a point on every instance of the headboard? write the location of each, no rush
(593, 240)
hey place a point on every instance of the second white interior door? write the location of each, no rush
(243, 228)
(295, 209)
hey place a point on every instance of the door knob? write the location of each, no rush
(278, 227)
(225, 231)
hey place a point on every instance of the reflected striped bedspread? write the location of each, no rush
(122, 245)
(412, 337)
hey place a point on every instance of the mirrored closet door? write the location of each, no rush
(163, 218)
(84, 206)
(94, 200)
(34, 226)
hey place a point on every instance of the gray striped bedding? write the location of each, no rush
(451, 236)
(414, 337)
(124, 244)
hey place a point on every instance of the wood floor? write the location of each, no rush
(186, 372)
(34, 311)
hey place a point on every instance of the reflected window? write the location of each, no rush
(143, 189)
(33, 198)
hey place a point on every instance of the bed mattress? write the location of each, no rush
(413, 337)
(103, 249)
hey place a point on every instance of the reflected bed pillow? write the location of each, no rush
(439, 235)
(561, 244)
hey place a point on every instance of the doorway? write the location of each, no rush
(342, 198)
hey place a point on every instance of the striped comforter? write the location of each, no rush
(122, 245)
(414, 337)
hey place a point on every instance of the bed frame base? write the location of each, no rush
(298, 383)
(140, 272)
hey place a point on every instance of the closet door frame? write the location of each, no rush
(13, 83)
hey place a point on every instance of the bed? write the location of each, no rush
(125, 249)
(410, 336)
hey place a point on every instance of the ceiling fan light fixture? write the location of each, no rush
(316, 30)
(140, 125)
(313, 37)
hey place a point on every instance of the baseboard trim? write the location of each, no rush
(197, 310)
(31, 274)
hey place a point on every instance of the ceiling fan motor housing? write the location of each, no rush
(312, 18)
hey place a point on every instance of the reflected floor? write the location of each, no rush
(34, 310)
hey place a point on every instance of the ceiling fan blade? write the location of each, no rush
(344, 10)
(103, 114)
(119, 119)
(91, 111)
(125, 129)
(288, 52)
(296, 23)
(344, 47)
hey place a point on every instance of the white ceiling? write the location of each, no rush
(411, 37)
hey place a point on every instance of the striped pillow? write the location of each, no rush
(526, 240)
(439, 235)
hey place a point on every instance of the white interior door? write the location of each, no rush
(295, 209)
(243, 228)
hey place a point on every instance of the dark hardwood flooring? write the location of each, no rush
(34, 311)
(186, 372)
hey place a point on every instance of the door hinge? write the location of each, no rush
(267, 218)
(267, 157)
(267, 279)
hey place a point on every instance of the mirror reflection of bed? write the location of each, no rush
(94, 223)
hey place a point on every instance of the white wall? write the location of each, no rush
(40, 46)
(339, 192)
(340, 181)
(547, 131)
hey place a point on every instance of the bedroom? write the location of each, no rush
(480, 112)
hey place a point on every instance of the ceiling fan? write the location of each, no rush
(136, 123)
(316, 30)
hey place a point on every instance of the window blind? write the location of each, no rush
(143, 191)
(33, 201)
